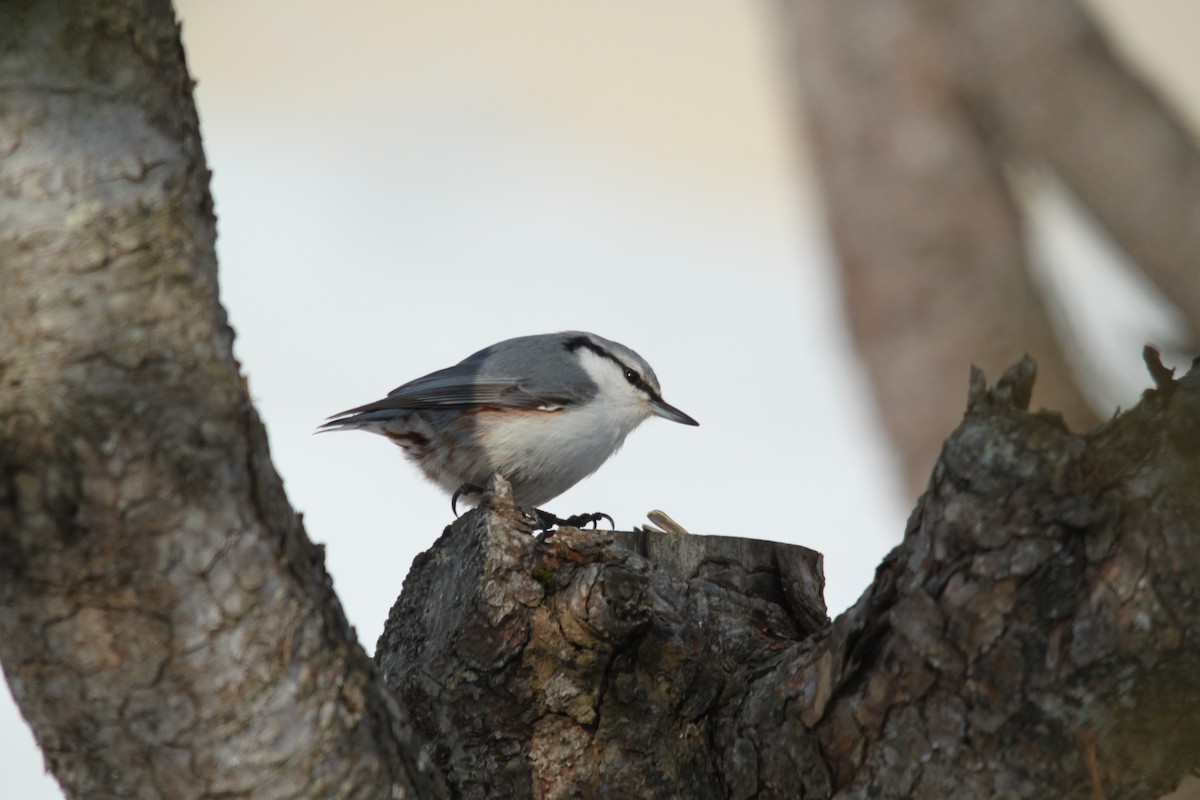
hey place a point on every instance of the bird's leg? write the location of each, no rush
(466, 488)
(544, 521)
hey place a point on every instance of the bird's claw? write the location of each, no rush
(544, 522)
(466, 488)
(593, 519)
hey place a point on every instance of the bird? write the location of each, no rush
(544, 411)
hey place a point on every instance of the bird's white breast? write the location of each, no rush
(544, 453)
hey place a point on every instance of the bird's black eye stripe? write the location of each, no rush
(631, 374)
(576, 342)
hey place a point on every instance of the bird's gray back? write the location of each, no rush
(540, 371)
(528, 371)
(541, 360)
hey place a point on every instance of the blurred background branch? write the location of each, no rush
(919, 114)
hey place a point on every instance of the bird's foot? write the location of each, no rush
(466, 488)
(544, 521)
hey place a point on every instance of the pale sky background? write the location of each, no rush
(399, 184)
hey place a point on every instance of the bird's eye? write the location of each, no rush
(631, 376)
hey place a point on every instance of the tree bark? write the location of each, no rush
(165, 626)
(580, 667)
(1035, 635)
(915, 109)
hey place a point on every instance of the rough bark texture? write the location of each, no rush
(1041, 613)
(165, 626)
(914, 107)
(1035, 635)
(578, 666)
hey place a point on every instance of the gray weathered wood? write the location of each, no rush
(790, 575)
(594, 661)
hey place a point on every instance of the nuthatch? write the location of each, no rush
(543, 411)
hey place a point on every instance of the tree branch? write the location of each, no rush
(1045, 74)
(1042, 598)
(1036, 629)
(932, 259)
(165, 625)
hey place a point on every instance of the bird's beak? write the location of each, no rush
(668, 411)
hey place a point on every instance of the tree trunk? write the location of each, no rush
(1035, 635)
(600, 664)
(166, 627)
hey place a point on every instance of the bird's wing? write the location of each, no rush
(455, 387)
(461, 386)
